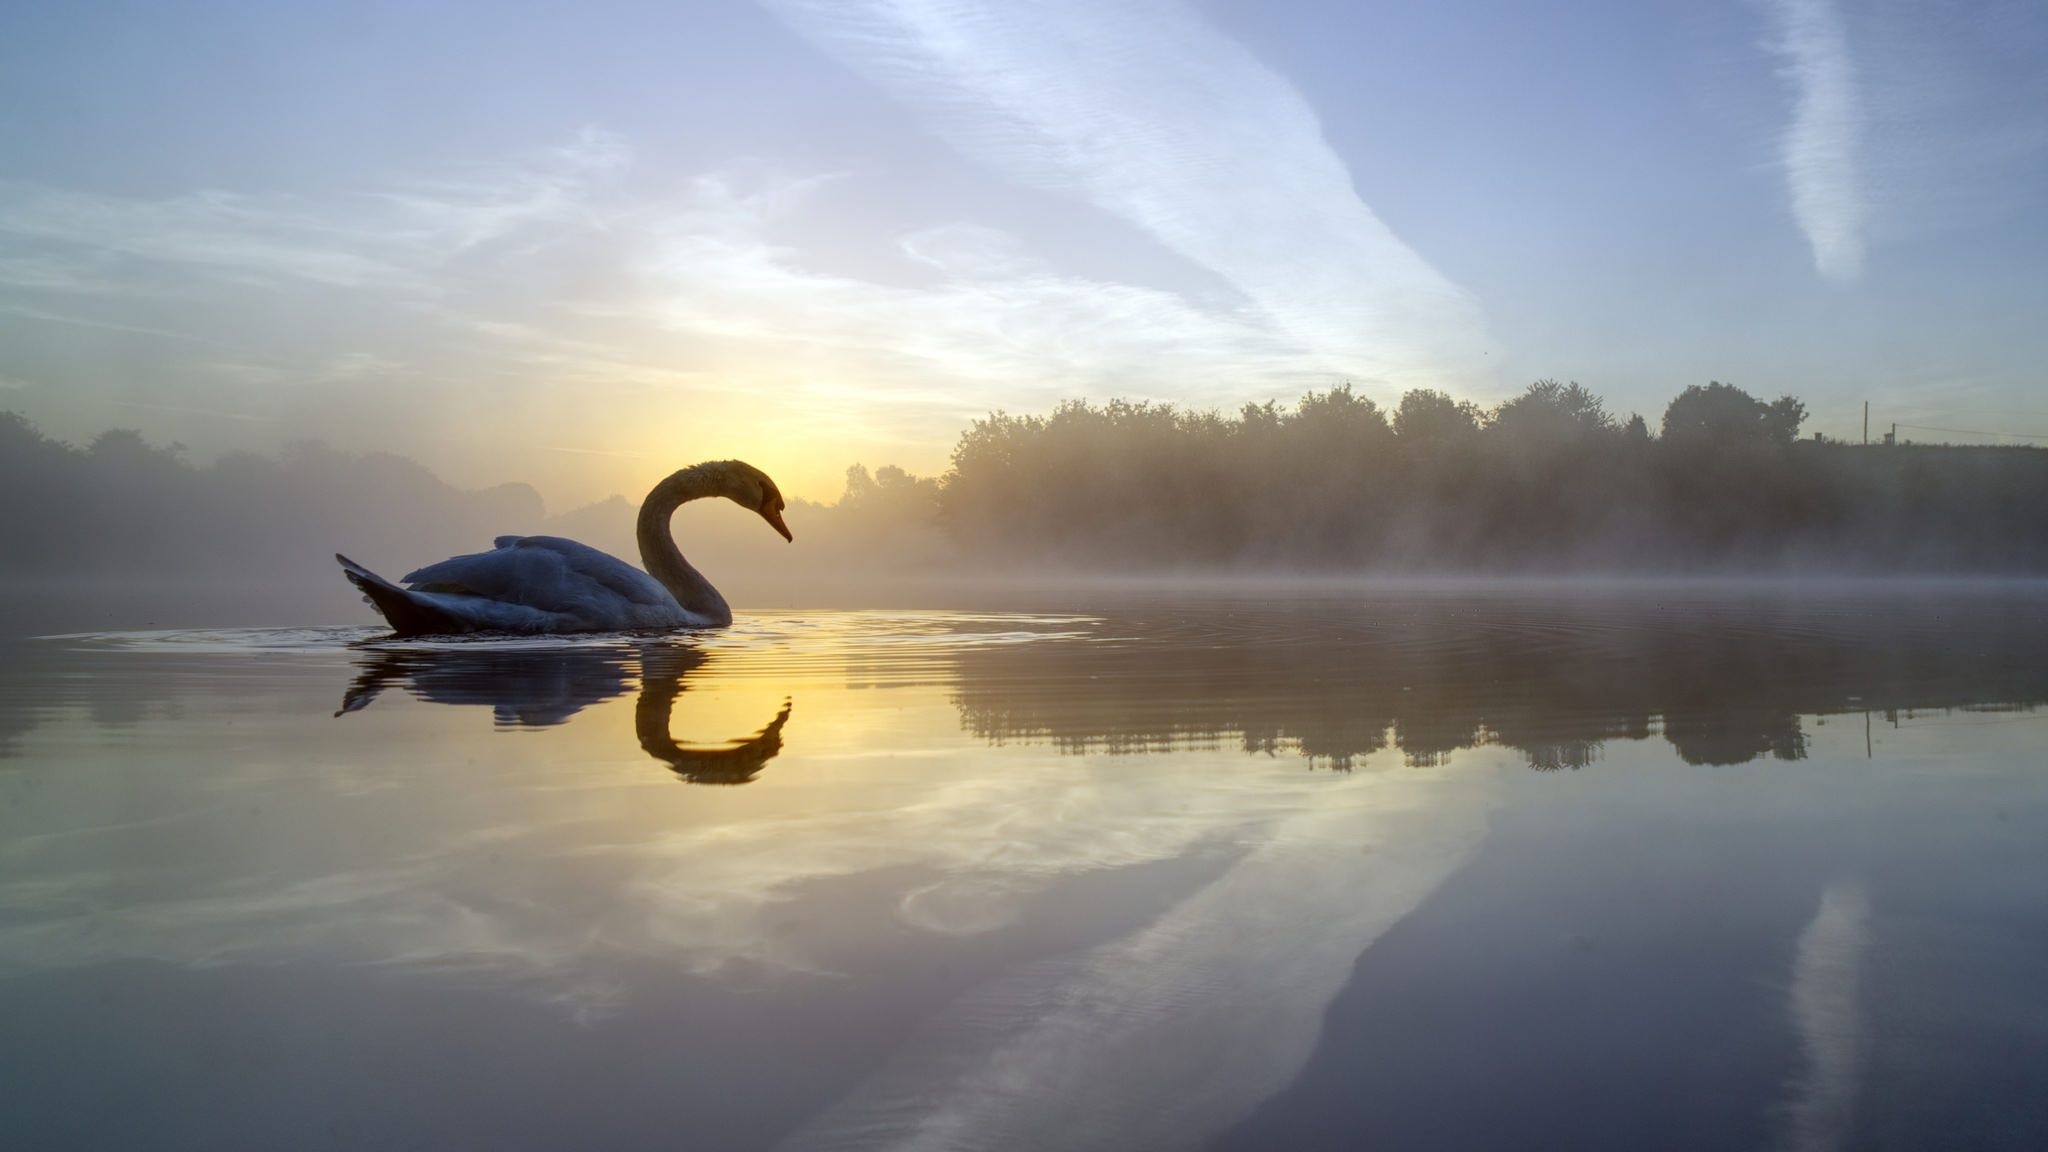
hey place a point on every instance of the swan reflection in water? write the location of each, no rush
(543, 688)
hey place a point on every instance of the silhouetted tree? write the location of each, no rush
(1341, 415)
(859, 484)
(1725, 415)
(890, 495)
(1429, 417)
(1548, 411)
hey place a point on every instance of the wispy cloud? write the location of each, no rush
(995, 317)
(1152, 115)
(69, 240)
(1821, 148)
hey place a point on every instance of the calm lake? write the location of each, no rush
(1634, 869)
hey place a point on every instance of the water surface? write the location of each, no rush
(1671, 869)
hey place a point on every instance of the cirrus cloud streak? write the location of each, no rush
(1821, 147)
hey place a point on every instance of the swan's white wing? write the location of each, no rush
(545, 572)
(601, 568)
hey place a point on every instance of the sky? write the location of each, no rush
(580, 246)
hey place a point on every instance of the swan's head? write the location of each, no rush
(749, 487)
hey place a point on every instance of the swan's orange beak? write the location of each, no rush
(774, 518)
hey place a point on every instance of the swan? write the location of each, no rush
(545, 584)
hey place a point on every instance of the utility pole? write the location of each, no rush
(1866, 423)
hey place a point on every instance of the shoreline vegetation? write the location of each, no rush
(1334, 486)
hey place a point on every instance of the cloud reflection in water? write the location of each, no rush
(957, 786)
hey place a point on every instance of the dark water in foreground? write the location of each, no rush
(1647, 870)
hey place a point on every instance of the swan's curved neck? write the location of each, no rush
(658, 549)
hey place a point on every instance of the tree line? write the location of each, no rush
(1547, 480)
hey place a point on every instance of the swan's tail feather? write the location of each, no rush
(407, 614)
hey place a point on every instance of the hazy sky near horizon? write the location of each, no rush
(580, 246)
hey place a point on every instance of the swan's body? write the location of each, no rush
(545, 584)
(531, 584)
